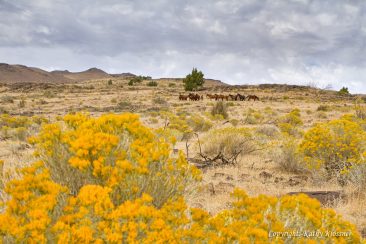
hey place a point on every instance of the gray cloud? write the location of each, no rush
(238, 41)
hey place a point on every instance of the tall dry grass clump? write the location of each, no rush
(220, 109)
(287, 156)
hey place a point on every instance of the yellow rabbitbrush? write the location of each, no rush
(116, 151)
(336, 146)
(130, 190)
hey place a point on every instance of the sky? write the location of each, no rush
(306, 42)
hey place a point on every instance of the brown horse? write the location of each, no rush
(254, 97)
(194, 97)
(213, 96)
(183, 97)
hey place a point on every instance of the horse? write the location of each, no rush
(233, 97)
(183, 97)
(194, 97)
(241, 97)
(254, 97)
(210, 96)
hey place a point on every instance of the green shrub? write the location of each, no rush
(152, 83)
(194, 80)
(343, 91)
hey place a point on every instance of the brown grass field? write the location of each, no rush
(257, 172)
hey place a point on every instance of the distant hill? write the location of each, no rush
(124, 75)
(21, 73)
(90, 74)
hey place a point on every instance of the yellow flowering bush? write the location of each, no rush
(35, 215)
(177, 122)
(29, 212)
(115, 151)
(19, 127)
(290, 123)
(258, 219)
(335, 146)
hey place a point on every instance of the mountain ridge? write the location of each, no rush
(14, 73)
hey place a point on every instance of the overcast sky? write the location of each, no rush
(237, 41)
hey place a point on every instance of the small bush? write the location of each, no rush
(321, 115)
(152, 83)
(21, 103)
(357, 177)
(3, 110)
(269, 111)
(228, 141)
(198, 123)
(290, 123)
(323, 108)
(7, 99)
(49, 94)
(177, 123)
(21, 133)
(159, 100)
(253, 117)
(124, 105)
(172, 85)
(268, 130)
(137, 79)
(110, 82)
(42, 102)
(234, 122)
(360, 109)
(287, 158)
(220, 108)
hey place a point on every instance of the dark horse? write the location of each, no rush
(240, 97)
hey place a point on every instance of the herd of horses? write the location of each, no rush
(217, 97)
